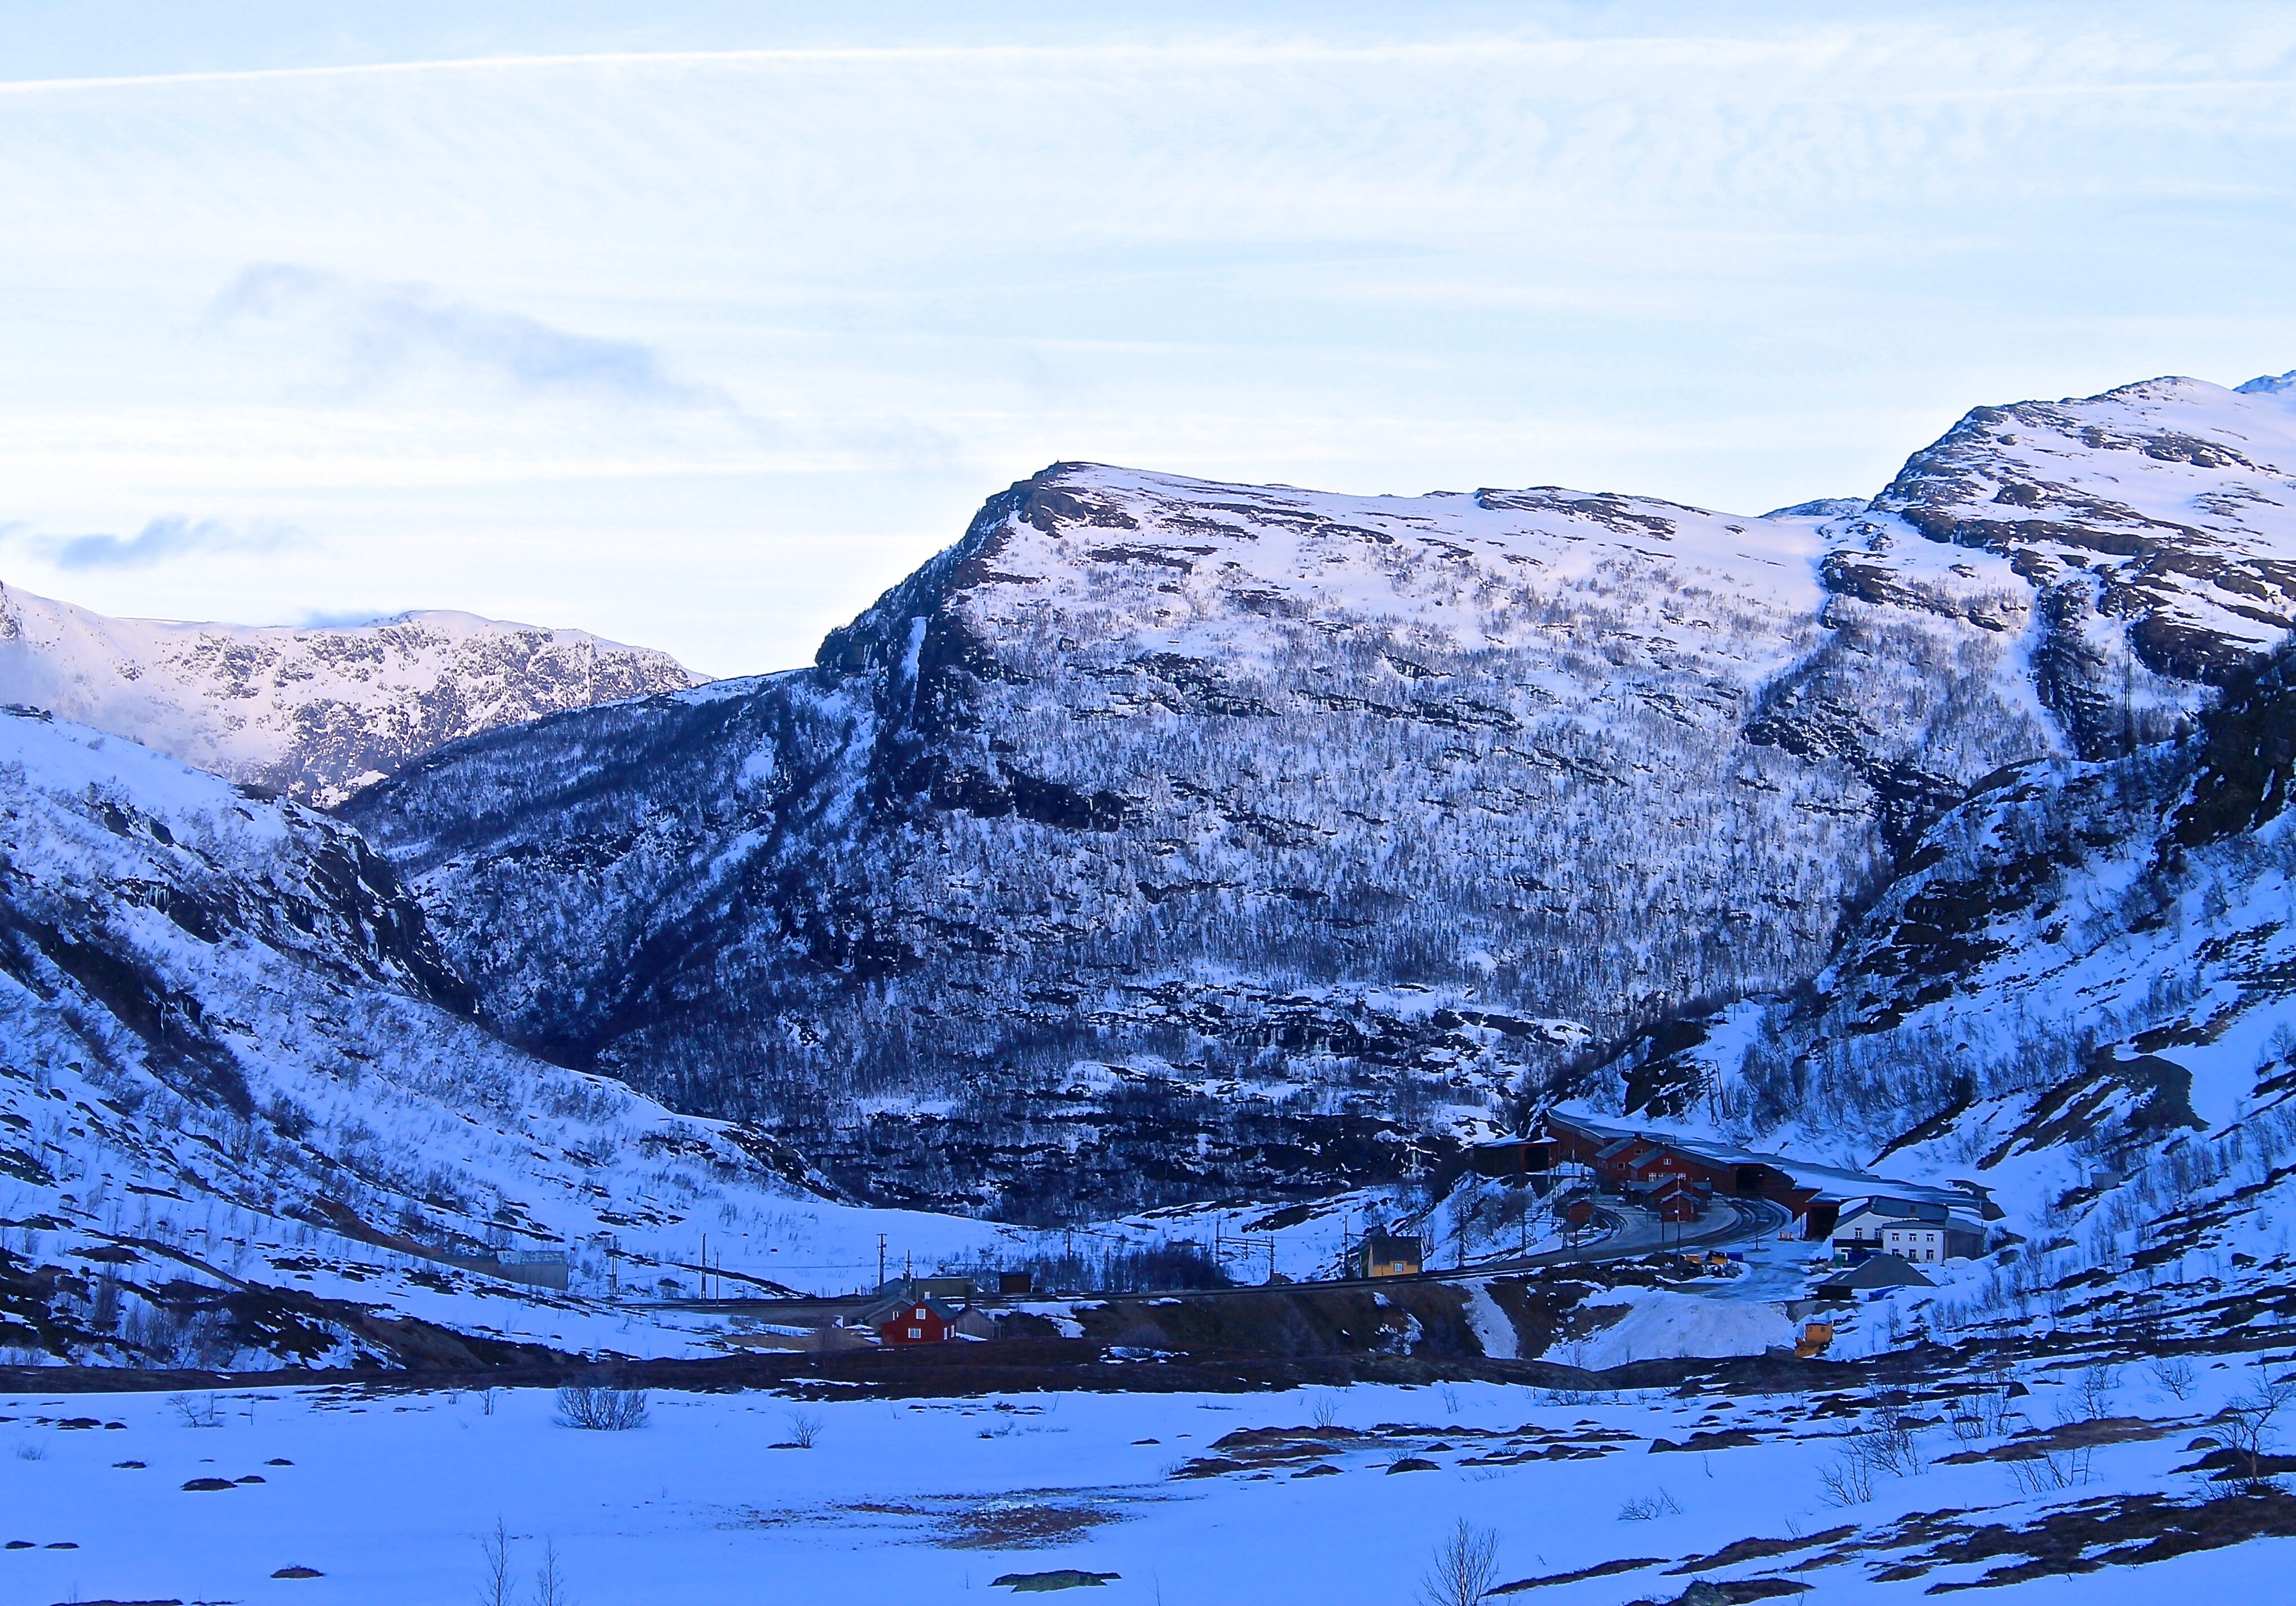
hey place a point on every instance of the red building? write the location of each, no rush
(1612, 1160)
(926, 1321)
(1639, 1162)
(1662, 1165)
(1675, 1202)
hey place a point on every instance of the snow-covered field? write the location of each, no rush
(388, 1496)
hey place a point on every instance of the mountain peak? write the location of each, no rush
(312, 711)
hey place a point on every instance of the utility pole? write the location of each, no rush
(1271, 1259)
(705, 1266)
(881, 1260)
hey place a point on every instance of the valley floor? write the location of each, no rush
(1191, 1499)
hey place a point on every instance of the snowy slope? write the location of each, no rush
(312, 713)
(241, 1100)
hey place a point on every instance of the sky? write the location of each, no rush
(701, 325)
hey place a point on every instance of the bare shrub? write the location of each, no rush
(2097, 1387)
(1647, 1508)
(2040, 1474)
(1450, 1398)
(549, 1582)
(197, 1410)
(2175, 1374)
(494, 1583)
(1326, 1411)
(28, 1451)
(1462, 1569)
(1895, 1449)
(602, 1409)
(1994, 1399)
(804, 1429)
(1849, 1481)
(2249, 1425)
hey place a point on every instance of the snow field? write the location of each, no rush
(389, 1495)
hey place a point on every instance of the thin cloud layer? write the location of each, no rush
(703, 328)
(168, 536)
(370, 335)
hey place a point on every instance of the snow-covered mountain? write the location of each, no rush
(2081, 993)
(314, 713)
(2152, 528)
(244, 1110)
(1164, 837)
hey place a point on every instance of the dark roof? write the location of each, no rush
(891, 1309)
(1387, 1244)
(1877, 1271)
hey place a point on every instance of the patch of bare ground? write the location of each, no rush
(1275, 1449)
(1019, 1523)
(1737, 1591)
(1602, 1569)
(1027, 1521)
(1756, 1550)
(2071, 1436)
(2125, 1530)
(1728, 1439)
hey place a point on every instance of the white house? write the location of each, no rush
(1927, 1243)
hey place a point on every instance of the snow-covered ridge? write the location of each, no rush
(311, 712)
(2153, 527)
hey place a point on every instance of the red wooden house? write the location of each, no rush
(922, 1321)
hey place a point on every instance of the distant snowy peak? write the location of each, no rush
(2168, 507)
(314, 713)
(2268, 384)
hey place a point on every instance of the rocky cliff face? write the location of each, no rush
(309, 713)
(1162, 838)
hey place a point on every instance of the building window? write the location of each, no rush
(916, 1332)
